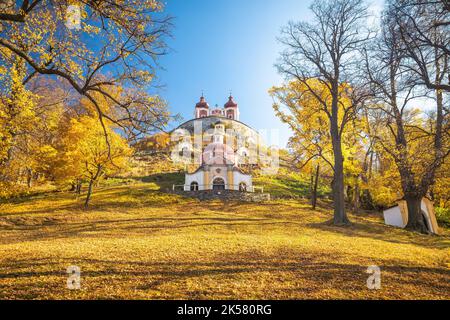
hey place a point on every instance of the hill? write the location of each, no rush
(137, 242)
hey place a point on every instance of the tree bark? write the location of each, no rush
(415, 217)
(356, 198)
(365, 199)
(89, 193)
(29, 177)
(340, 216)
(314, 193)
(91, 184)
(78, 187)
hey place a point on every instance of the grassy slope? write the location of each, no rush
(136, 242)
(287, 185)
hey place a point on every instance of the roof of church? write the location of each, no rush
(202, 103)
(230, 103)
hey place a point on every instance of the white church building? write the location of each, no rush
(219, 169)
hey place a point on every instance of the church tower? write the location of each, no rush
(231, 109)
(202, 108)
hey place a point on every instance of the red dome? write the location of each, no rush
(202, 103)
(230, 103)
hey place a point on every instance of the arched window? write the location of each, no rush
(242, 187)
(218, 184)
(203, 113)
(230, 114)
(194, 186)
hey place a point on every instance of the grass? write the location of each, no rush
(288, 185)
(443, 216)
(136, 242)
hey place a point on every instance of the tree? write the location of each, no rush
(120, 39)
(423, 27)
(311, 141)
(87, 156)
(326, 50)
(30, 117)
(16, 108)
(417, 144)
(157, 143)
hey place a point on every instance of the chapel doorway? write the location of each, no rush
(218, 184)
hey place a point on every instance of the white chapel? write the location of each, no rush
(219, 169)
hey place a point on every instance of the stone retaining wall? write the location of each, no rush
(227, 195)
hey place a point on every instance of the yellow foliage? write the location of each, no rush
(89, 148)
(307, 118)
(138, 243)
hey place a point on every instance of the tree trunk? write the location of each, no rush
(340, 217)
(78, 187)
(91, 184)
(366, 200)
(89, 192)
(356, 198)
(29, 177)
(347, 191)
(415, 218)
(314, 193)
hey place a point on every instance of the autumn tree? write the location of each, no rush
(28, 126)
(326, 50)
(418, 144)
(115, 43)
(86, 155)
(311, 142)
(154, 144)
(30, 117)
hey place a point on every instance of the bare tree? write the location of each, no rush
(395, 85)
(326, 50)
(424, 29)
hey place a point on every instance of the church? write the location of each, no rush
(220, 163)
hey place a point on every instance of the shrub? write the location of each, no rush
(443, 216)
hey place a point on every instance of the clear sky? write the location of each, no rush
(223, 45)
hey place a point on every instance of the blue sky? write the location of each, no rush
(223, 45)
(220, 46)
